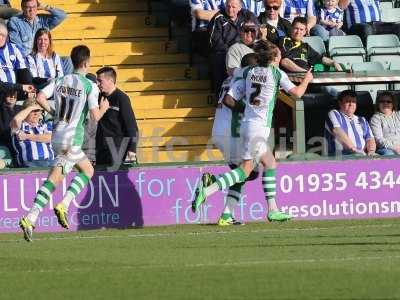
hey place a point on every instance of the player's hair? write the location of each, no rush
(261, 45)
(301, 20)
(109, 72)
(24, 1)
(250, 59)
(39, 33)
(79, 55)
(346, 93)
(267, 56)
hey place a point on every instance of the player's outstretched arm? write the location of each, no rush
(97, 113)
(41, 99)
(298, 91)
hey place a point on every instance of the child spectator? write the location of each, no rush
(31, 136)
(331, 20)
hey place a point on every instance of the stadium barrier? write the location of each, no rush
(151, 196)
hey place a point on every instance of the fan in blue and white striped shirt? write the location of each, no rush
(197, 6)
(43, 62)
(347, 133)
(362, 11)
(31, 137)
(256, 7)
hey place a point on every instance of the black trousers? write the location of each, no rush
(219, 74)
(365, 29)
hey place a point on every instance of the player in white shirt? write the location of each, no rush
(261, 88)
(226, 133)
(74, 97)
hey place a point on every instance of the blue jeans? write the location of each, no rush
(320, 31)
(385, 151)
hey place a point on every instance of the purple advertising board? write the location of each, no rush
(153, 196)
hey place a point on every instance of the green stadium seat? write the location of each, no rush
(386, 60)
(395, 65)
(386, 5)
(316, 43)
(390, 15)
(346, 45)
(383, 44)
(347, 61)
(5, 155)
(369, 66)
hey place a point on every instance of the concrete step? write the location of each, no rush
(107, 22)
(203, 112)
(140, 59)
(175, 127)
(193, 154)
(60, 34)
(173, 141)
(110, 7)
(154, 73)
(165, 85)
(173, 100)
(119, 48)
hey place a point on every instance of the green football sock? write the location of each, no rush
(269, 186)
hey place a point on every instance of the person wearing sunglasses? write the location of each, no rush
(273, 27)
(385, 125)
(224, 32)
(31, 136)
(248, 35)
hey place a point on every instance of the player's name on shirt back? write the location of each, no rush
(258, 78)
(69, 90)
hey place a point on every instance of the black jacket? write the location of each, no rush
(274, 34)
(118, 122)
(224, 32)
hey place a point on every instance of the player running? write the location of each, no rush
(74, 96)
(261, 90)
(226, 135)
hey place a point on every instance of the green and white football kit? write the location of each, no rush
(74, 95)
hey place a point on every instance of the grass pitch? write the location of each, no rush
(295, 260)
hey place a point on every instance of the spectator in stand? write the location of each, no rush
(6, 11)
(202, 13)
(298, 56)
(364, 18)
(385, 125)
(12, 61)
(224, 32)
(117, 128)
(255, 6)
(347, 133)
(44, 64)
(8, 109)
(31, 136)
(248, 35)
(89, 142)
(23, 27)
(273, 27)
(292, 9)
(330, 20)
